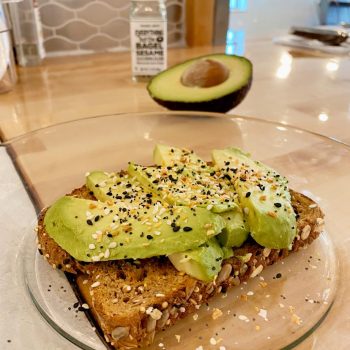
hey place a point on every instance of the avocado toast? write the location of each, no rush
(138, 286)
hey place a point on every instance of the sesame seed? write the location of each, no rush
(112, 245)
(107, 253)
(95, 284)
(85, 306)
(243, 318)
(92, 246)
(212, 341)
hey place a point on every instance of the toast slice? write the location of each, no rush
(132, 300)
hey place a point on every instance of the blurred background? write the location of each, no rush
(72, 27)
(69, 59)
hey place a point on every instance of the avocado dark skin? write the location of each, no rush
(221, 105)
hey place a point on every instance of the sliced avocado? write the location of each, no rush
(203, 263)
(216, 82)
(228, 252)
(169, 156)
(263, 195)
(181, 185)
(236, 232)
(116, 187)
(119, 187)
(93, 231)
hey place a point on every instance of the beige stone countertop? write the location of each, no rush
(305, 90)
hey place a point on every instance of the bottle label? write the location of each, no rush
(148, 46)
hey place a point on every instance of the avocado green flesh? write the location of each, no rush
(119, 187)
(203, 263)
(263, 195)
(235, 232)
(167, 86)
(71, 222)
(169, 156)
(181, 185)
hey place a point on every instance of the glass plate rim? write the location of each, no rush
(180, 113)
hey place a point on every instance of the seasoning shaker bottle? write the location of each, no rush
(148, 37)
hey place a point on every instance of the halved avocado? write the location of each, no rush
(214, 83)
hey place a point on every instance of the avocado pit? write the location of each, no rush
(205, 73)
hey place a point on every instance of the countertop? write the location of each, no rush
(308, 91)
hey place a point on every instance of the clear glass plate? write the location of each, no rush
(281, 314)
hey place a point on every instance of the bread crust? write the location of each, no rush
(134, 300)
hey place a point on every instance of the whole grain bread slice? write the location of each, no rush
(132, 300)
